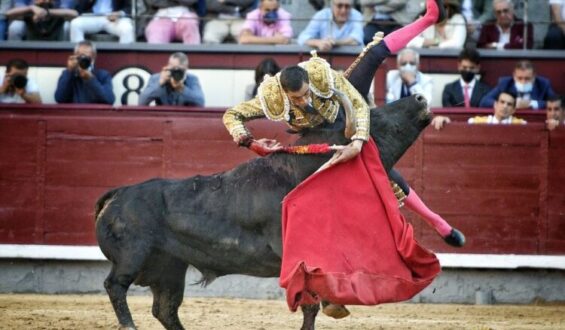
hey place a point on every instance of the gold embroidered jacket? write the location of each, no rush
(272, 102)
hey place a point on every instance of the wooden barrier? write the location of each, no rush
(500, 185)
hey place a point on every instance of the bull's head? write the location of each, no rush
(395, 126)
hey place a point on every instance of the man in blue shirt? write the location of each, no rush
(81, 82)
(339, 25)
(174, 85)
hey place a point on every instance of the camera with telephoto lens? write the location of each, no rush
(177, 73)
(84, 61)
(19, 81)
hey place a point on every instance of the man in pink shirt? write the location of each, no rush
(267, 24)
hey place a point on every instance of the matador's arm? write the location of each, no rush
(360, 107)
(234, 119)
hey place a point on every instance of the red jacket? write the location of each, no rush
(490, 34)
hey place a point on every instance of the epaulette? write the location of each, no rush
(274, 102)
(322, 80)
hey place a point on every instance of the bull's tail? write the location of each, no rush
(103, 202)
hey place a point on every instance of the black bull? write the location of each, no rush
(226, 223)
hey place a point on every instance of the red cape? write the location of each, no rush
(345, 241)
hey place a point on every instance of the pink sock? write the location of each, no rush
(398, 39)
(414, 203)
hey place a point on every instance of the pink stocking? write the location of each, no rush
(414, 203)
(398, 39)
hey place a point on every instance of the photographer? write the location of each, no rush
(174, 85)
(16, 87)
(81, 82)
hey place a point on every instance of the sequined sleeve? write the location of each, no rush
(234, 118)
(359, 106)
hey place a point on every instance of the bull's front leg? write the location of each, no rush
(309, 312)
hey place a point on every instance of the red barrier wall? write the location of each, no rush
(503, 186)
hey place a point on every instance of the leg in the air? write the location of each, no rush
(360, 74)
(449, 234)
(401, 37)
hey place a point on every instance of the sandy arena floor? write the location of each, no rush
(95, 312)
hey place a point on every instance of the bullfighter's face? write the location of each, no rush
(300, 98)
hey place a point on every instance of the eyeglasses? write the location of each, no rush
(502, 11)
(404, 63)
(342, 6)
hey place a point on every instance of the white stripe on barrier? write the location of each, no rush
(447, 260)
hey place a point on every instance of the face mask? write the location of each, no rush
(524, 88)
(409, 68)
(467, 76)
(270, 17)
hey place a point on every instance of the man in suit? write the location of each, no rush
(467, 91)
(408, 79)
(506, 31)
(532, 91)
(555, 113)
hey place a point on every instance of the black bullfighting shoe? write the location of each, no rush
(441, 9)
(455, 238)
(335, 311)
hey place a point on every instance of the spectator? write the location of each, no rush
(103, 15)
(42, 20)
(339, 25)
(506, 31)
(225, 19)
(267, 66)
(301, 11)
(504, 109)
(387, 15)
(476, 13)
(174, 85)
(555, 38)
(81, 81)
(467, 91)
(4, 6)
(16, 86)
(555, 113)
(532, 90)
(408, 79)
(538, 13)
(165, 21)
(267, 24)
(450, 33)
(17, 27)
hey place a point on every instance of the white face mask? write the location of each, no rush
(409, 68)
(524, 88)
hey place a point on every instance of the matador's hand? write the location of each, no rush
(343, 154)
(264, 147)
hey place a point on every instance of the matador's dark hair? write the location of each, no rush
(292, 78)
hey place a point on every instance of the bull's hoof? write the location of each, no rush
(455, 238)
(335, 311)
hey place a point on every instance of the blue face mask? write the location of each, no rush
(270, 17)
(524, 88)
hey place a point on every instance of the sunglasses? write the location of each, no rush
(502, 11)
(404, 63)
(343, 6)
